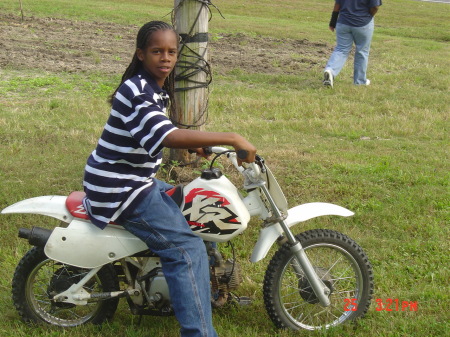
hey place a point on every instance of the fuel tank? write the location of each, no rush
(214, 208)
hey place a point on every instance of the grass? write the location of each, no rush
(381, 151)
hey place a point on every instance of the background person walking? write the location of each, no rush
(354, 23)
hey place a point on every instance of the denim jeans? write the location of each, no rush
(345, 37)
(159, 222)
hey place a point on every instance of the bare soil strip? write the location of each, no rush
(59, 45)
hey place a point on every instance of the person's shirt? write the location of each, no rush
(118, 174)
(356, 13)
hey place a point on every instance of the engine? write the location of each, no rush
(154, 292)
(225, 277)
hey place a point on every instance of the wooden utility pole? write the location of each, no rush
(21, 9)
(192, 71)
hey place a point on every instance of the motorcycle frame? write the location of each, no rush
(62, 244)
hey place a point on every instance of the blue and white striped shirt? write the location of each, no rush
(119, 172)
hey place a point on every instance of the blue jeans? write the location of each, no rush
(345, 37)
(159, 222)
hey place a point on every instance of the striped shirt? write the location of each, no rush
(118, 174)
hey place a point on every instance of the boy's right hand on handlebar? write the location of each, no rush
(242, 147)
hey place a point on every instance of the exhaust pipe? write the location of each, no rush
(36, 236)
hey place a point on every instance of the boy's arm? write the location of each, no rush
(194, 139)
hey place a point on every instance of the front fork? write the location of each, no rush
(304, 265)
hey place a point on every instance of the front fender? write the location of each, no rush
(49, 205)
(300, 213)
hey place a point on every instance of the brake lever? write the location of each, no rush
(261, 163)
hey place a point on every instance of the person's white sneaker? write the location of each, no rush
(328, 78)
(367, 82)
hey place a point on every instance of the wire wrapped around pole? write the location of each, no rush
(192, 64)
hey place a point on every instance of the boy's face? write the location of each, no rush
(160, 55)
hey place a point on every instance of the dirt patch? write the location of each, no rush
(75, 46)
(265, 54)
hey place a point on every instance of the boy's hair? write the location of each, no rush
(142, 40)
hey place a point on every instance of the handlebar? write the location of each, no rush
(241, 154)
(253, 171)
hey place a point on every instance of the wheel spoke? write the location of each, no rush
(331, 267)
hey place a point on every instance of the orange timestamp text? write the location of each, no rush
(389, 304)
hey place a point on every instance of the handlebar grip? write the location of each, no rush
(242, 154)
(208, 150)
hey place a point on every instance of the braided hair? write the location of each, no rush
(142, 41)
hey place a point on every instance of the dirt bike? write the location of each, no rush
(76, 273)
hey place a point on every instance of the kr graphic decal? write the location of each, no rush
(209, 212)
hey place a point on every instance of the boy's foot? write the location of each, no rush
(328, 78)
(367, 82)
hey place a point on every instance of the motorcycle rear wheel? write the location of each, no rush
(341, 264)
(37, 279)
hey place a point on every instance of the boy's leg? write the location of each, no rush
(160, 224)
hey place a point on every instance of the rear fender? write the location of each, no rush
(49, 205)
(300, 213)
(84, 245)
(81, 243)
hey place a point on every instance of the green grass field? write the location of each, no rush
(381, 151)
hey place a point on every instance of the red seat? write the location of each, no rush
(74, 201)
(74, 204)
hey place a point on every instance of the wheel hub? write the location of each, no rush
(305, 289)
(62, 280)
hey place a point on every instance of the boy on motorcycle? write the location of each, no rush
(119, 175)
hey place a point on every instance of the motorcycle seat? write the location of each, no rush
(176, 193)
(74, 204)
(74, 201)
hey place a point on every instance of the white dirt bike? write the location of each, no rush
(76, 273)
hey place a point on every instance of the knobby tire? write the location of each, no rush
(341, 264)
(37, 279)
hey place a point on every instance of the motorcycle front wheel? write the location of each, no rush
(37, 279)
(343, 267)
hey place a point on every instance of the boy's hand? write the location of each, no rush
(200, 152)
(244, 146)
